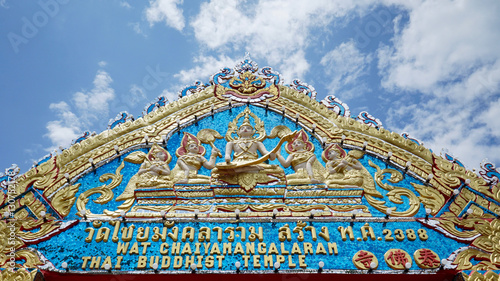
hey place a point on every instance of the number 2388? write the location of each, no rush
(400, 234)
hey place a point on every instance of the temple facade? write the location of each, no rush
(245, 177)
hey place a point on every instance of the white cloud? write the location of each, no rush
(345, 65)
(443, 41)
(166, 10)
(278, 30)
(205, 67)
(136, 26)
(61, 132)
(489, 118)
(447, 55)
(95, 102)
(171, 96)
(294, 67)
(88, 108)
(125, 4)
(102, 63)
(136, 94)
(455, 127)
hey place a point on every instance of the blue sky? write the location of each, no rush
(428, 68)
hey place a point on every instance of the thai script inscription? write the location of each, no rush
(172, 246)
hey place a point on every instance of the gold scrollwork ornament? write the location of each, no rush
(395, 193)
(105, 190)
(485, 247)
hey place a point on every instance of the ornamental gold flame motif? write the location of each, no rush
(248, 170)
(247, 83)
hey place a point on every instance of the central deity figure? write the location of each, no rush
(246, 146)
(246, 168)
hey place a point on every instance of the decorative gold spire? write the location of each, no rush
(246, 121)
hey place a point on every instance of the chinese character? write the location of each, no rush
(398, 257)
(427, 258)
(365, 260)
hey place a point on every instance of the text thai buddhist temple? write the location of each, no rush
(245, 177)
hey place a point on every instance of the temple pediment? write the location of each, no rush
(264, 171)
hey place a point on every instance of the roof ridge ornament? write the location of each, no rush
(160, 101)
(407, 136)
(120, 118)
(368, 119)
(335, 104)
(490, 173)
(304, 88)
(247, 64)
(245, 83)
(198, 86)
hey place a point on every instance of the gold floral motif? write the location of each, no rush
(27, 229)
(394, 194)
(451, 175)
(31, 258)
(148, 208)
(20, 274)
(254, 192)
(463, 202)
(344, 193)
(5, 247)
(304, 208)
(45, 226)
(447, 173)
(46, 174)
(485, 237)
(153, 192)
(430, 197)
(476, 276)
(195, 194)
(64, 199)
(33, 204)
(105, 190)
(247, 83)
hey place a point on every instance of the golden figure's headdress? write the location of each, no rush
(233, 127)
(155, 149)
(188, 139)
(302, 136)
(246, 121)
(336, 147)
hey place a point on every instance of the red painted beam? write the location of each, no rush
(439, 276)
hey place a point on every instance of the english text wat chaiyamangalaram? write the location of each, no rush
(246, 178)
